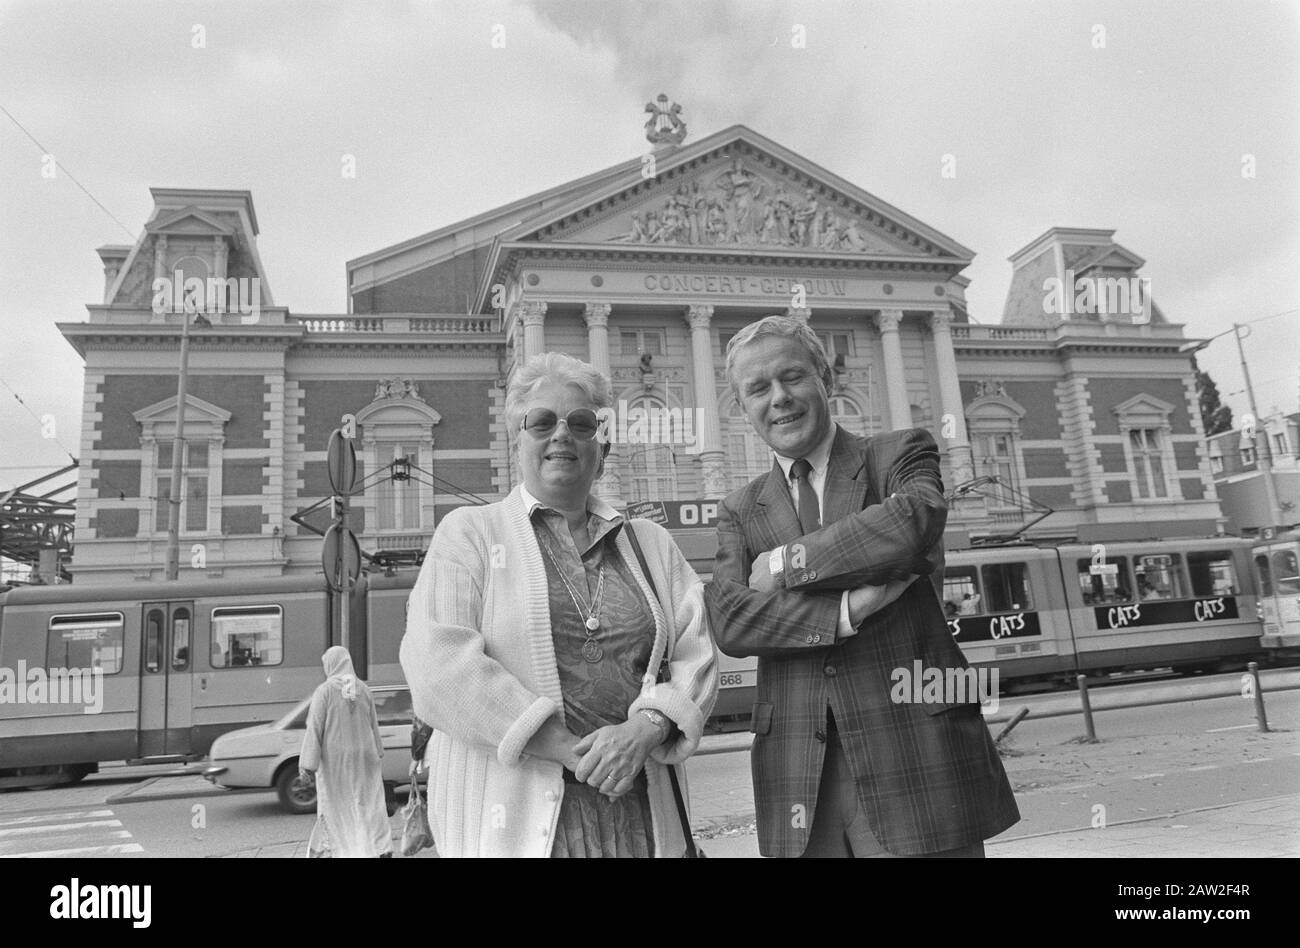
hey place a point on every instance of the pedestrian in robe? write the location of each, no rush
(341, 752)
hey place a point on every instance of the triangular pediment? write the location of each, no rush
(190, 221)
(197, 411)
(1143, 409)
(737, 191)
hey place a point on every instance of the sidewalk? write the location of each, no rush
(1257, 829)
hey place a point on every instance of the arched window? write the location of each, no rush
(846, 413)
(654, 437)
(993, 422)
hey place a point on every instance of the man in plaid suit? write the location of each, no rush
(816, 575)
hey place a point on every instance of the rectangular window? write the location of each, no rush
(1105, 581)
(397, 502)
(1279, 444)
(1287, 572)
(85, 642)
(1264, 574)
(995, 456)
(1212, 574)
(1148, 462)
(1160, 576)
(393, 707)
(1247, 455)
(1006, 587)
(961, 594)
(247, 635)
(194, 503)
(634, 342)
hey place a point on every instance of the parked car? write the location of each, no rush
(267, 755)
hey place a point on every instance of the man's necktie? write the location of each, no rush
(810, 514)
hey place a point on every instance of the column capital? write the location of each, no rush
(532, 312)
(802, 312)
(597, 315)
(698, 315)
(941, 320)
(887, 320)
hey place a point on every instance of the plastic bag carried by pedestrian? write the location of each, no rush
(416, 834)
(319, 845)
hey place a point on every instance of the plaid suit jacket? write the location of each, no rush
(928, 775)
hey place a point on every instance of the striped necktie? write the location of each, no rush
(810, 514)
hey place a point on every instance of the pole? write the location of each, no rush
(1082, 682)
(1261, 719)
(345, 630)
(174, 492)
(1265, 457)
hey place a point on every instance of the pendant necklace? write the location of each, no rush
(591, 650)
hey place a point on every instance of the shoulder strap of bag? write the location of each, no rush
(691, 852)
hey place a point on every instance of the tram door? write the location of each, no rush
(165, 702)
(1278, 572)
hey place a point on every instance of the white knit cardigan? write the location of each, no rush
(480, 663)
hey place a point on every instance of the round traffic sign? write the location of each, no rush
(340, 556)
(341, 461)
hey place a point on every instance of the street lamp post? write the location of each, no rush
(174, 489)
(1264, 459)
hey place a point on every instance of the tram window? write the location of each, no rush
(244, 636)
(393, 707)
(1265, 574)
(1006, 587)
(961, 591)
(1284, 568)
(1159, 576)
(1106, 584)
(154, 623)
(1212, 573)
(181, 640)
(85, 642)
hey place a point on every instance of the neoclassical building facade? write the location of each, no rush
(1079, 400)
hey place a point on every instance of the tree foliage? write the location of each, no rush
(1216, 417)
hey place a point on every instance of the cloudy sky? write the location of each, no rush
(1132, 116)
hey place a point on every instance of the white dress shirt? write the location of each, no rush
(819, 460)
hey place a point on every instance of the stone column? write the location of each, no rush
(610, 486)
(952, 420)
(893, 370)
(596, 316)
(708, 433)
(220, 252)
(533, 315)
(219, 301)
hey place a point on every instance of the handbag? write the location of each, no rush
(319, 845)
(416, 834)
(692, 851)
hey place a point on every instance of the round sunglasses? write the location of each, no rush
(582, 423)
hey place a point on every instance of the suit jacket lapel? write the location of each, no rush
(780, 519)
(846, 482)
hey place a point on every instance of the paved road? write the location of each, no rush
(1151, 761)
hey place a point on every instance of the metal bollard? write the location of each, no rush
(1020, 716)
(1260, 717)
(1082, 682)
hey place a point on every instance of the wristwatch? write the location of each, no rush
(776, 565)
(657, 718)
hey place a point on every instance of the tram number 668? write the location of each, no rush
(733, 680)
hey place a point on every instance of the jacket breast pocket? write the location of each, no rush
(760, 721)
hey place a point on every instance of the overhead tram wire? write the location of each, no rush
(71, 176)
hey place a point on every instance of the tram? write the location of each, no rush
(1277, 577)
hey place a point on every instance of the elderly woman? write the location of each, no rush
(340, 751)
(534, 645)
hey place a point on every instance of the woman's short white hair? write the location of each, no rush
(792, 327)
(558, 368)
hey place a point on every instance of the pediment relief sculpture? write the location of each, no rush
(738, 207)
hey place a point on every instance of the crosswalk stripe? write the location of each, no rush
(64, 833)
(45, 817)
(57, 828)
(82, 851)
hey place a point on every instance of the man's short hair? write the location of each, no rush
(792, 327)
